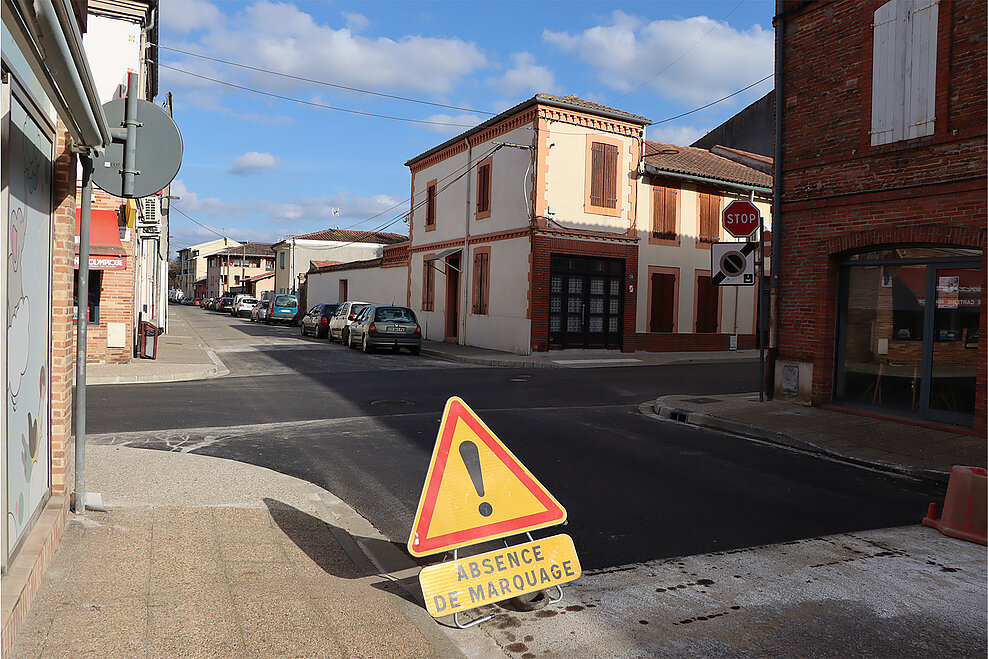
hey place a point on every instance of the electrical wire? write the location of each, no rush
(174, 207)
(313, 103)
(666, 68)
(324, 83)
(703, 107)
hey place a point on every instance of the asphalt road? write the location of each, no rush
(636, 488)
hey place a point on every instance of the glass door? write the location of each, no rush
(953, 344)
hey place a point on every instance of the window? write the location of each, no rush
(903, 70)
(484, 188)
(709, 224)
(603, 175)
(344, 290)
(481, 280)
(428, 286)
(95, 285)
(430, 205)
(707, 305)
(281, 260)
(664, 202)
(662, 310)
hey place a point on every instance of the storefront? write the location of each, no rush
(908, 332)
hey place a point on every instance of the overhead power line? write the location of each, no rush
(313, 103)
(703, 107)
(324, 83)
(189, 217)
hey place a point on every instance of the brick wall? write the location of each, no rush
(836, 186)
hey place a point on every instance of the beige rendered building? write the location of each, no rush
(192, 262)
(228, 271)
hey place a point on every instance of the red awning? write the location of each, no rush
(105, 250)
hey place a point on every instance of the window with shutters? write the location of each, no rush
(662, 298)
(604, 180)
(665, 202)
(481, 279)
(904, 63)
(428, 286)
(484, 178)
(430, 205)
(709, 221)
(707, 310)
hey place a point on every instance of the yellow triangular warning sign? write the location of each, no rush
(476, 489)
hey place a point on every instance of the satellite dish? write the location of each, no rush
(158, 151)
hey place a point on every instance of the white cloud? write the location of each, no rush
(525, 77)
(192, 204)
(355, 21)
(350, 208)
(629, 51)
(189, 15)
(283, 38)
(253, 162)
(451, 124)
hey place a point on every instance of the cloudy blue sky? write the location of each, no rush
(260, 166)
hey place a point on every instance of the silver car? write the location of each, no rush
(346, 313)
(383, 326)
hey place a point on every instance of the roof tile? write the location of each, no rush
(700, 162)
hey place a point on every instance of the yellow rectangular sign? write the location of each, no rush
(498, 575)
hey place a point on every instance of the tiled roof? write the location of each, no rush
(570, 101)
(323, 264)
(347, 236)
(349, 265)
(249, 249)
(692, 161)
(263, 275)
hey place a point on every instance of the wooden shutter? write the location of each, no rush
(597, 174)
(484, 189)
(430, 205)
(921, 71)
(707, 297)
(428, 286)
(480, 283)
(610, 176)
(886, 75)
(709, 221)
(663, 299)
(664, 201)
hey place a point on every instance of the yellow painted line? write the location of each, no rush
(470, 582)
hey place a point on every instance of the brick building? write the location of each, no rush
(882, 176)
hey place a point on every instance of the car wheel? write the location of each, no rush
(329, 335)
(302, 330)
(321, 334)
(345, 337)
(366, 346)
(349, 340)
(415, 350)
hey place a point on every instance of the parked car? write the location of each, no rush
(224, 304)
(345, 314)
(211, 303)
(282, 310)
(260, 311)
(243, 306)
(316, 320)
(379, 326)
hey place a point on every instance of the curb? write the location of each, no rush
(750, 431)
(488, 361)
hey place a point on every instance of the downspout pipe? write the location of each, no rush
(778, 222)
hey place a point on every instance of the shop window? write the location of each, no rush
(95, 287)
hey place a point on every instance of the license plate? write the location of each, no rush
(396, 328)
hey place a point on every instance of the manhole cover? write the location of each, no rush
(393, 403)
(701, 401)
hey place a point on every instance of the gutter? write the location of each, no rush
(47, 33)
(652, 170)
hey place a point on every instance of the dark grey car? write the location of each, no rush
(379, 326)
(316, 320)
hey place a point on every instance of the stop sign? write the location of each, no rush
(740, 218)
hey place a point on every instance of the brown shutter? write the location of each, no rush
(484, 189)
(597, 174)
(706, 306)
(610, 176)
(663, 299)
(477, 284)
(485, 288)
(430, 205)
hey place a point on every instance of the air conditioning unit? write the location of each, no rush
(150, 212)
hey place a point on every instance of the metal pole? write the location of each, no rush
(130, 148)
(82, 319)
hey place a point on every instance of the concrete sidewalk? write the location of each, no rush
(884, 444)
(183, 354)
(205, 557)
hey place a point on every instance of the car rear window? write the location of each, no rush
(285, 301)
(249, 300)
(357, 308)
(394, 315)
(329, 308)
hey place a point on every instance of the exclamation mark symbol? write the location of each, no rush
(471, 459)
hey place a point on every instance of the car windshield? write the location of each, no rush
(357, 308)
(286, 301)
(394, 315)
